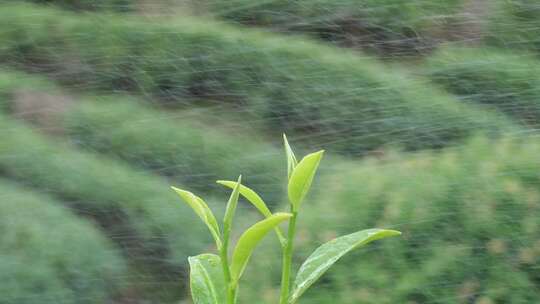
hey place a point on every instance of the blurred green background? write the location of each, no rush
(429, 111)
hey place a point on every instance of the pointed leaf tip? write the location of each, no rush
(250, 195)
(291, 158)
(256, 201)
(302, 177)
(231, 208)
(203, 211)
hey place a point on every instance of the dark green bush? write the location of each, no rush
(515, 24)
(48, 255)
(393, 26)
(350, 103)
(107, 5)
(387, 26)
(136, 209)
(188, 152)
(470, 218)
(507, 80)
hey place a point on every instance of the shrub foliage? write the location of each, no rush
(131, 205)
(172, 145)
(293, 84)
(508, 81)
(48, 255)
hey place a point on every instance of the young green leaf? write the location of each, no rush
(301, 178)
(206, 278)
(231, 208)
(291, 159)
(202, 210)
(256, 201)
(250, 195)
(329, 253)
(249, 240)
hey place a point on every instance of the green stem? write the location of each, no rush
(287, 261)
(231, 290)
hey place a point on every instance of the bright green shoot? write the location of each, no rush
(214, 278)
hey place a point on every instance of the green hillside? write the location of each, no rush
(387, 28)
(362, 101)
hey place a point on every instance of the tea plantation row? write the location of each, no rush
(351, 104)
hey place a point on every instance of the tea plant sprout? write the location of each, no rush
(214, 278)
